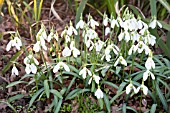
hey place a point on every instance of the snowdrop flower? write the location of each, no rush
(15, 71)
(91, 34)
(150, 39)
(31, 68)
(107, 31)
(127, 36)
(140, 24)
(143, 47)
(66, 52)
(99, 45)
(76, 52)
(99, 93)
(154, 23)
(132, 49)
(135, 36)
(71, 30)
(84, 72)
(121, 60)
(36, 47)
(144, 88)
(80, 24)
(121, 36)
(105, 20)
(149, 64)
(59, 66)
(113, 23)
(93, 23)
(40, 43)
(95, 77)
(146, 74)
(130, 87)
(14, 42)
(30, 59)
(50, 36)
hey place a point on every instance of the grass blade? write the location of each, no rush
(153, 8)
(162, 98)
(55, 92)
(107, 102)
(153, 108)
(46, 88)
(165, 4)
(15, 83)
(6, 68)
(111, 7)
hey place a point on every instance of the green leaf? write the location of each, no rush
(16, 97)
(116, 96)
(101, 103)
(71, 83)
(58, 106)
(165, 4)
(73, 68)
(132, 109)
(46, 88)
(27, 75)
(9, 105)
(15, 83)
(162, 98)
(111, 84)
(35, 96)
(55, 92)
(168, 39)
(37, 9)
(72, 92)
(6, 68)
(80, 10)
(71, 73)
(122, 85)
(124, 108)
(107, 102)
(153, 108)
(153, 8)
(111, 7)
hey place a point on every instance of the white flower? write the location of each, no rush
(130, 87)
(66, 52)
(105, 21)
(153, 24)
(146, 74)
(80, 24)
(50, 36)
(36, 47)
(113, 23)
(132, 49)
(121, 36)
(121, 60)
(95, 77)
(84, 72)
(15, 42)
(149, 64)
(71, 30)
(144, 88)
(99, 45)
(15, 71)
(99, 93)
(135, 36)
(93, 23)
(76, 52)
(91, 34)
(31, 68)
(127, 36)
(143, 47)
(59, 66)
(151, 39)
(107, 31)
(30, 59)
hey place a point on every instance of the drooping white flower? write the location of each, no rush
(91, 34)
(61, 65)
(14, 42)
(149, 64)
(93, 23)
(40, 43)
(107, 31)
(30, 59)
(142, 47)
(31, 68)
(127, 36)
(129, 88)
(66, 52)
(144, 88)
(121, 60)
(76, 52)
(95, 78)
(150, 39)
(15, 71)
(36, 46)
(113, 23)
(84, 72)
(146, 74)
(154, 23)
(132, 49)
(80, 24)
(105, 20)
(99, 93)
(121, 36)
(99, 44)
(135, 36)
(71, 30)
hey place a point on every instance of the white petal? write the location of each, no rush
(107, 31)
(99, 93)
(121, 36)
(108, 56)
(90, 81)
(96, 78)
(159, 24)
(15, 71)
(145, 75)
(117, 61)
(36, 47)
(123, 61)
(65, 66)
(33, 68)
(152, 24)
(76, 52)
(128, 88)
(145, 89)
(56, 68)
(66, 52)
(27, 69)
(8, 47)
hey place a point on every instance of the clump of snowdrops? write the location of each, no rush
(126, 40)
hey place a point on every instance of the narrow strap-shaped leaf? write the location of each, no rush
(165, 4)
(111, 84)
(124, 108)
(162, 98)
(35, 96)
(116, 96)
(46, 88)
(16, 97)
(111, 7)
(153, 108)
(55, 92)
(101, 103)
(9, 105)
(15, 83)
(6, 68)
(107, 102)
(58, 106)
(71, 83)
(153, 8)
